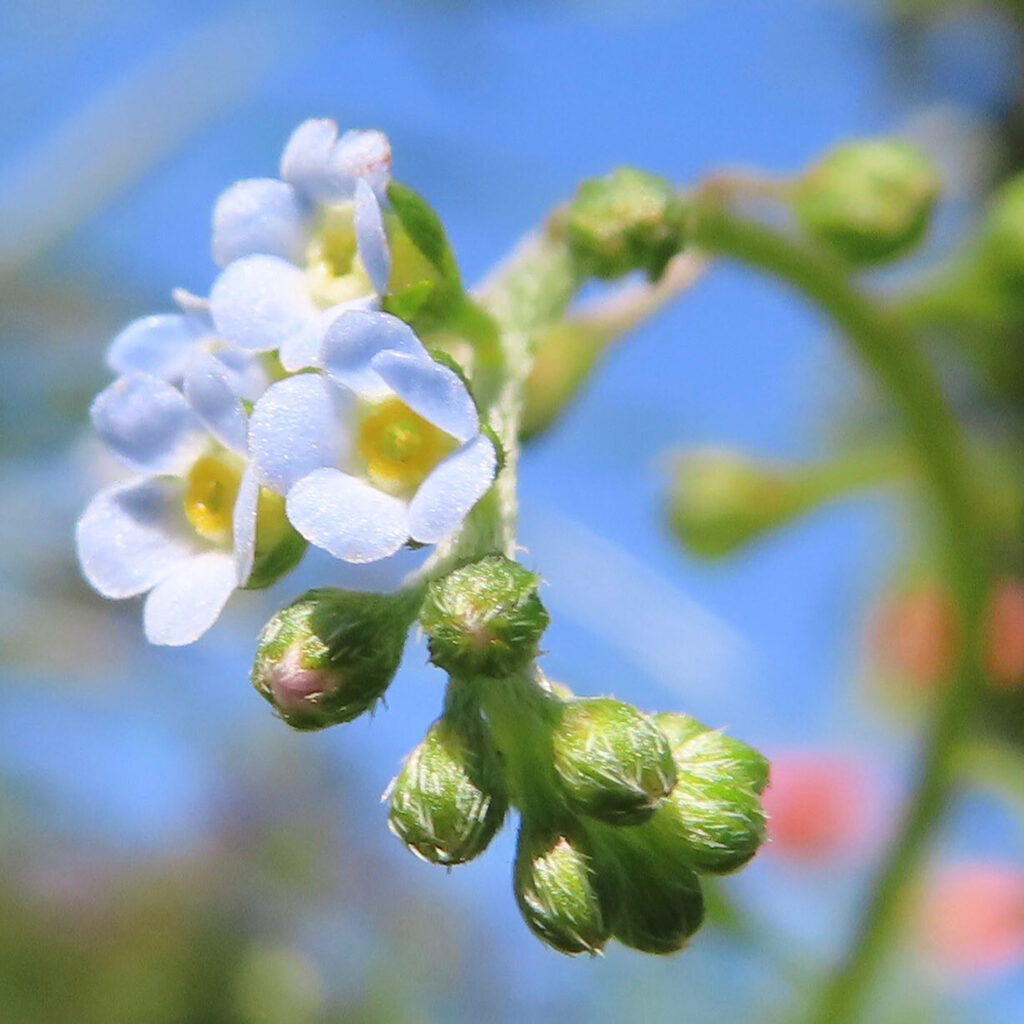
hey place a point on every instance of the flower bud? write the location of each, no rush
(623, 222)
(614, 763)
(484, 619)
(713, 819)
(330, 656)
(658, 905)
(868, 201)
(1002, 236)
(557, 891)
(449, 800)
(721, 500)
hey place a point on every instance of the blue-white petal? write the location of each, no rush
(149, 424)
(132, 535)
(355, 338)
(347, 517)
(244, 525)
(299, 425)
(186, 603)
(210, 390)
(452, 489)
(260, 215)
(326, 168)
(304, 349)
(259, 301)
(159, 345)
(371, 239)
(434, 391)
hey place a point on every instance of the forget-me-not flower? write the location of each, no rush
(165, 344)
(382, 447)
(298, 250)
(184, 528)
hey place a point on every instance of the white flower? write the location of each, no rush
(300, 249)
(184, 528)
(384, 447)
(165, 344)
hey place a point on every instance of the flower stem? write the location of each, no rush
(883, 343)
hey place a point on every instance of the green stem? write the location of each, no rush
(891, 353)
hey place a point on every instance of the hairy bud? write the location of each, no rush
(330, 656)
(557, 891)
(713, 819)
(623, 222)
(448, 801)
(484, 619)
(613, 761)
(868, 201)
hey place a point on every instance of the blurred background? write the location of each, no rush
(170, 852)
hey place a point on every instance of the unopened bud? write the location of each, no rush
(714, 819)
(484, 619)
(658, 906)
(557, 891)
(448, 801)
(623, 222)
(868, 201)
(330, 656)
(721, 500)
(614, 763)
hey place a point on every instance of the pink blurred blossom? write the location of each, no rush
(972, 918)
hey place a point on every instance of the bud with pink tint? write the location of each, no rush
(972, 918)
(820, 807)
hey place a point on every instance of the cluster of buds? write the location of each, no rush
(620, 811)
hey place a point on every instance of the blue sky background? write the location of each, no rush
(120, 125)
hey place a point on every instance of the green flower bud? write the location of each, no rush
(721, 500)
(868, 201)
(449, 800)
(1002, 236)
(713, 819)
(557, 891)
(747, 764)
(656, 910)
(330, 656)
(484, 619)
(623, 222)
(614, 763)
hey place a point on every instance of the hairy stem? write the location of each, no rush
(891, 353)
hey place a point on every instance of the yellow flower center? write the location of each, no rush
(332, 261)
(400, 447)
(210, 492)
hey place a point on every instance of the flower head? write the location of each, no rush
(299, 249)
(184, 528)
(383, 447)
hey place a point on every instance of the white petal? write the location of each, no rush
(211, 392)
(371, 238)
(246, 371)
(244, 525)
(258, 301)
(364, 155)
(326, 168)
(132, 535)
(159, 345)
(303, 350)
(296, 427)
(192, 305)
(355, 338)
(184, 605)
(451, 490)
(347, 517)
(149, 424)
(432, 390)
(261, 215)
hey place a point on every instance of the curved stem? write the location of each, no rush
(891, 352)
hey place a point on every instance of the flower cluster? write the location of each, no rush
(289, 407)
